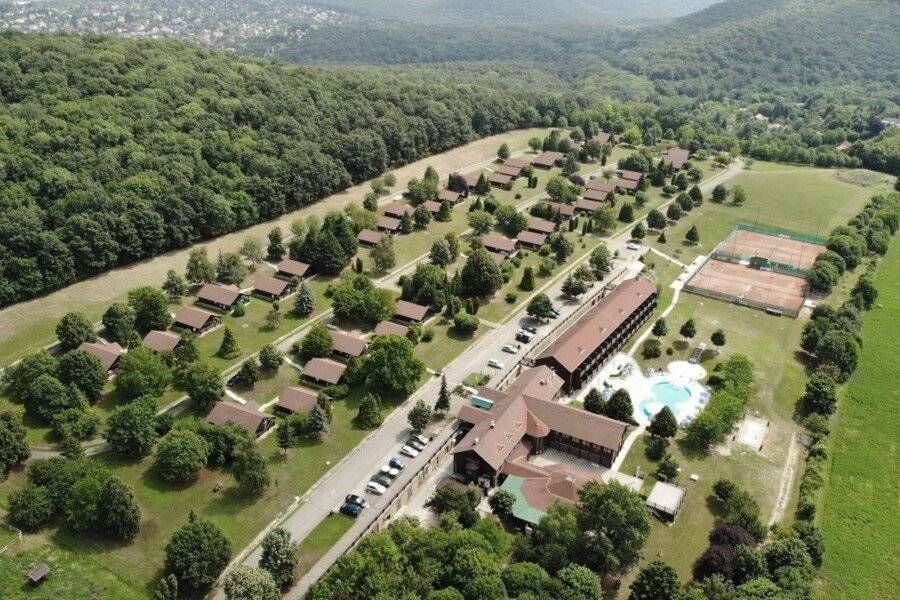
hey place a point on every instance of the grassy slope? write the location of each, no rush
(859, 516)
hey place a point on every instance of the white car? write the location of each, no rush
(495, 363)
(409, 451)
(389, 471)
(376, 488)
(510, 348)
(421, 439)
(632, 246)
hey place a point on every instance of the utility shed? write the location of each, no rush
(666, 499)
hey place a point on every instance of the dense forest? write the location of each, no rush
(114, 150)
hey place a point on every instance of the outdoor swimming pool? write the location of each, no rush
(684, 398)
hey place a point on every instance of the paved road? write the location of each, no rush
(351, 473)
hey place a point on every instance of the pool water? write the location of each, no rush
(666, 393)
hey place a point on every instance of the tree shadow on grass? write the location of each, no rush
(690, 451)
(680, 345)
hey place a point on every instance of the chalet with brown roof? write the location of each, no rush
(519, 163)
(222, 297)
(511, 171)
(368, 237)
(388, 224)
(677, 157)
(432, 206)
(531, 239)
(296, 399)
(271, 288)
(346, 345)
(398, 209)
(587, 205)
(589, 343)
(601, 185)
(497, 243)
(472, 180)
(195, 320)
(632, 175)
(539, 225)
(289, 269)
(410, 311)
(565, 210)
(596, 195)
(161, 341)
(506, 427)
(450, 196)
(390, 328)
(246, 416)
(627, 185)
(500, 180)
(536, 487)
(547, 160)
(324, 371)
(109, 353)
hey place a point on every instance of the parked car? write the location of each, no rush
(495, 363)
(510, 348)
(530, 329)
(351, 509)
(383, 480)
(397, 463)
(555, 312)
(633, 246)
(523, 336)
(390, 471)
(415, 444)
(356, 499)
(409, 451)
(422, 439)
(373, 487)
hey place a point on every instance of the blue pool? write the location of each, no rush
(666, 393)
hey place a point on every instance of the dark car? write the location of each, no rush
(353, 498)
(351, 509)
(523, 337)
(383, 480)
(397, 463)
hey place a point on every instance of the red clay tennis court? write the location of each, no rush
(747, 285)
(774, 248)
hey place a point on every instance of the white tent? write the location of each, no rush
(666, 498)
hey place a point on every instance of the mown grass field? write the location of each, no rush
(859, 509)
(324, 536)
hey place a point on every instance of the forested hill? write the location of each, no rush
(114, 150)
(744, 47)
(510, 12)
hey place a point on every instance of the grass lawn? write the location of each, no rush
(446, 345)
(859, 512)
(801, 199)
(270, 384)
(320, 540)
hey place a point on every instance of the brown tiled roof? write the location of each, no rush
(192, 317)
(591, 330)
(219, 294)
(595, 196)
(509, 170)
(389, 223)
(628, 184)
(247, 416)
(587, 204)
(410, 310)
(347, 344)
(107, 353)
(520, 163)
(492, 241)
(369, 236)
(566, 210)
(558, 482)
(398, 209)
(499, 178)
(161, 341)
(472, 414)
(578, 423)
(432, 206)
(547, 159)
(632, 175)
(601, 185)
(294, 268)
(324, 369)
(295, 399)
(602, 137)
(494, 439)
(472, 180)
(449, 196)
(540, 382)
(677, 157)
(541, 225)
(270, 285)
(531, 238)
(391, 328)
